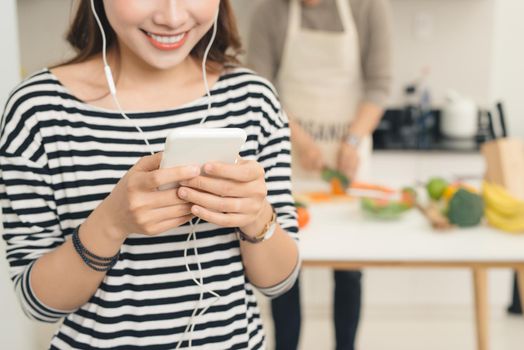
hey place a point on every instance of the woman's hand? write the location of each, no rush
(229, 195)
(137, 206)
(348, 160)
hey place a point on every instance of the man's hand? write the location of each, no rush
(348, 160)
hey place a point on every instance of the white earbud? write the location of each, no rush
(112, 90)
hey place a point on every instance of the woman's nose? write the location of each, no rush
(170, 13)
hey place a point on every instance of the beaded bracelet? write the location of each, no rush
(95, 262)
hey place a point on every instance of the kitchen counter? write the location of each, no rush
(341, 236)
(341, 231)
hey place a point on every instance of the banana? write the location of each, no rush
(499, 200)
(510, 224)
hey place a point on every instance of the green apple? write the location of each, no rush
(436, 187)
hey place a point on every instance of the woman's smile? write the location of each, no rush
(166, 42)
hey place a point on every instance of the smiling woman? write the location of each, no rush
(91, 238)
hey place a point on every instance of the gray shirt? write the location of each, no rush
(373, 23)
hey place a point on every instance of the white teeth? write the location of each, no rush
(166, 39)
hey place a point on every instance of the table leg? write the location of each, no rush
(520, 279)
(480, 281)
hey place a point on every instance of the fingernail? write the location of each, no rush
(195, 210)
(208, 168)
(182, 193)
(183, 183)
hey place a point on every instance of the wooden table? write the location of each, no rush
(341, 236)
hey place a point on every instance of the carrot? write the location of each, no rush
(337, 188)
(319, 196)
(367, 186)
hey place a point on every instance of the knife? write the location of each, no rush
(492, 133)
(500, 108)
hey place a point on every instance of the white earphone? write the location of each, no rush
(112, 90)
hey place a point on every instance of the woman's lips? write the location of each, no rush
(166, 42)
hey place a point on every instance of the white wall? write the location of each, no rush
(42, 27)
(508, 55)
(10, 67)
(15, 330)
(453, 38)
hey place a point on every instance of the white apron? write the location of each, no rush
(320, 84)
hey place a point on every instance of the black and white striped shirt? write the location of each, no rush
(60, 157)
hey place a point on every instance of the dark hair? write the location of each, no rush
(84, 36)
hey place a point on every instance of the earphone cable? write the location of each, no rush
(110, 80)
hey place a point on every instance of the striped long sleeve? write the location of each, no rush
(30, 222)
(275, 157)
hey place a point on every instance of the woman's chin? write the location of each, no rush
(165, 63)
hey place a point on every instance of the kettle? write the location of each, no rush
(459, 116)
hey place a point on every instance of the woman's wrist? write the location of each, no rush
(264, 216)
(100, 234)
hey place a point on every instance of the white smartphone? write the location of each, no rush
(198, 146)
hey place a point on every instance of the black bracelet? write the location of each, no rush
(76, 237)
(92, 260)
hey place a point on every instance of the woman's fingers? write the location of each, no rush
(243, 171)
(163, 198)
(220, 219)
(217, 203)
(148, 163)
(147, 222)
(219, 187)
(166, 225)
(152, 180)
(146, 174)
(167, 213)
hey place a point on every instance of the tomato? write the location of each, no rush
(409, 196)
(303, 217)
